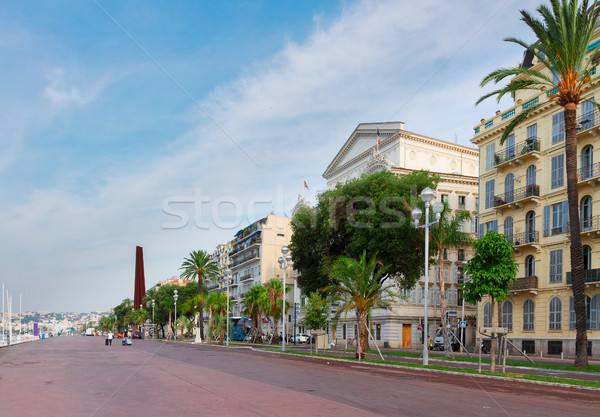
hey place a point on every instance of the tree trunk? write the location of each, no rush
(275, 339)
(210, 322)
(362, 330)
(493, 344)
(577, 273)
(443, 302)
(201, 304)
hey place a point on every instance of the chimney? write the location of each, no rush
(401, 125)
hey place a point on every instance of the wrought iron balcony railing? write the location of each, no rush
(532, 190)
(525, 283)
(590, 223)
(587, 172)
(588, 120)
(524, 238)
(522, 148)
(591, 275)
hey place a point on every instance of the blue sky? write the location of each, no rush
(110, 110)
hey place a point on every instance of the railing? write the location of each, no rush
(530, 103)
(245, 277)
(524, 283)
(522, 148)
(476, 130)
(524, 238)
(588, 120)
(489, 124)
(587, 172)
(591, 275)
(508, 114)
(244, 259)
(590, 223)
(532, 190)
(246, 245)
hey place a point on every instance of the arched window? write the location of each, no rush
(509, 188)
(591, 318)
(587, 162)
(507, 315)
(508, 229)
(528, 315)
(487, 315)
(555, 318)
(531, 175)
(585, 214)
(587, 257)
(595, 312)
(530, 227)
(530, 266)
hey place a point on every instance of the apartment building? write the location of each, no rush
(221, 257)
(524, 196)
(400, 151)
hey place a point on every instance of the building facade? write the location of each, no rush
(524, 196)
(401, 152)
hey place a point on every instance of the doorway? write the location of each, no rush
(406, 330)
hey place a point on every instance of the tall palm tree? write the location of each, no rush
(253, 308)
(199, 265)
(360, 285)
(563, 34)
(272, 305)
(446, 234)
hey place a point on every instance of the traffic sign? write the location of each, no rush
(463, 324)
(452, 313)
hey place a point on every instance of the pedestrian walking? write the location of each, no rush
(110, 338)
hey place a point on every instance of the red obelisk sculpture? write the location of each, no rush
(140, 280)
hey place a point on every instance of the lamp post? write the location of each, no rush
(175, 296)
(426, 195)
(228, 277)
(295, 309)
(153, 326)
(284, 262)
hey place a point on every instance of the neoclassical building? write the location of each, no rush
(401, 152)
(524, 189)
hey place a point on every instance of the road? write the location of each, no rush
(80, 376)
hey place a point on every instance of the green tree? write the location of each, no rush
(316, 311)
(492, 270)
(253, 308)
(360, 285)
(372, 212)
(446, 234)
(562, 38)
(218, 309)
(199, 265)
(272, 305)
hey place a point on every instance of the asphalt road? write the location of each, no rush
(80, 376)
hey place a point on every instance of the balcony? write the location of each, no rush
(516, 199)
(589, 175)
(525, 239)
(517, 154)
(590, 226)
(587, 121)
(244, 258)
(591, 275)
(247, 277)
(525, 284)
(246, 245)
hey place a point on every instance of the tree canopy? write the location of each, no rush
(371, 213)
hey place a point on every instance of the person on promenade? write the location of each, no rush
(110, 338)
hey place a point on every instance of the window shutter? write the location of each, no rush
(565, 211)
(546, 221)
(494, 226)
(481, 226)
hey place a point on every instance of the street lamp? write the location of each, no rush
(284, 262)
(153, 326)
(427, 195)
(175, 296)
(228, 277)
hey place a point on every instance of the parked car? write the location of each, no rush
(137, 335)
(300, 338)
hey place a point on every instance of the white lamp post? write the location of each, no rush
(175, 296)
(227, 277)
(153, 326)
(284, 262)
(427, 195)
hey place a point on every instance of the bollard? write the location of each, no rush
(561, 356)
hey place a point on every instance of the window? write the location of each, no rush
(532, 131)
(531, 175)
(585, 213)
(487, 315)
(554, 347)
(461, 255)
(508, 229)
(445, 254)
(558, 127)
(555, 318)
(489, 193)
(490, 151)
(493, 225)
(510, 147)
(595, 312)
(587, 161)
(587, 115)
(528, 346)
(461, 202)
(530, 227)
(528, 315)
(378, 331)
(557, 171)
(477, 203)
(507, 315)
(588, 311)
(556, 260)
(587, 257)
(509, 188)
(474, 224)
(445, 198)
(560, 220)
(530, 266)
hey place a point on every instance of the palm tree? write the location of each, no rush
(563, 36)
(446, 234)
(272, 305)
(218, 306)
(253, 309)
(198, 266)
(360, 285)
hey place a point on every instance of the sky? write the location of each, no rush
(171, 125)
